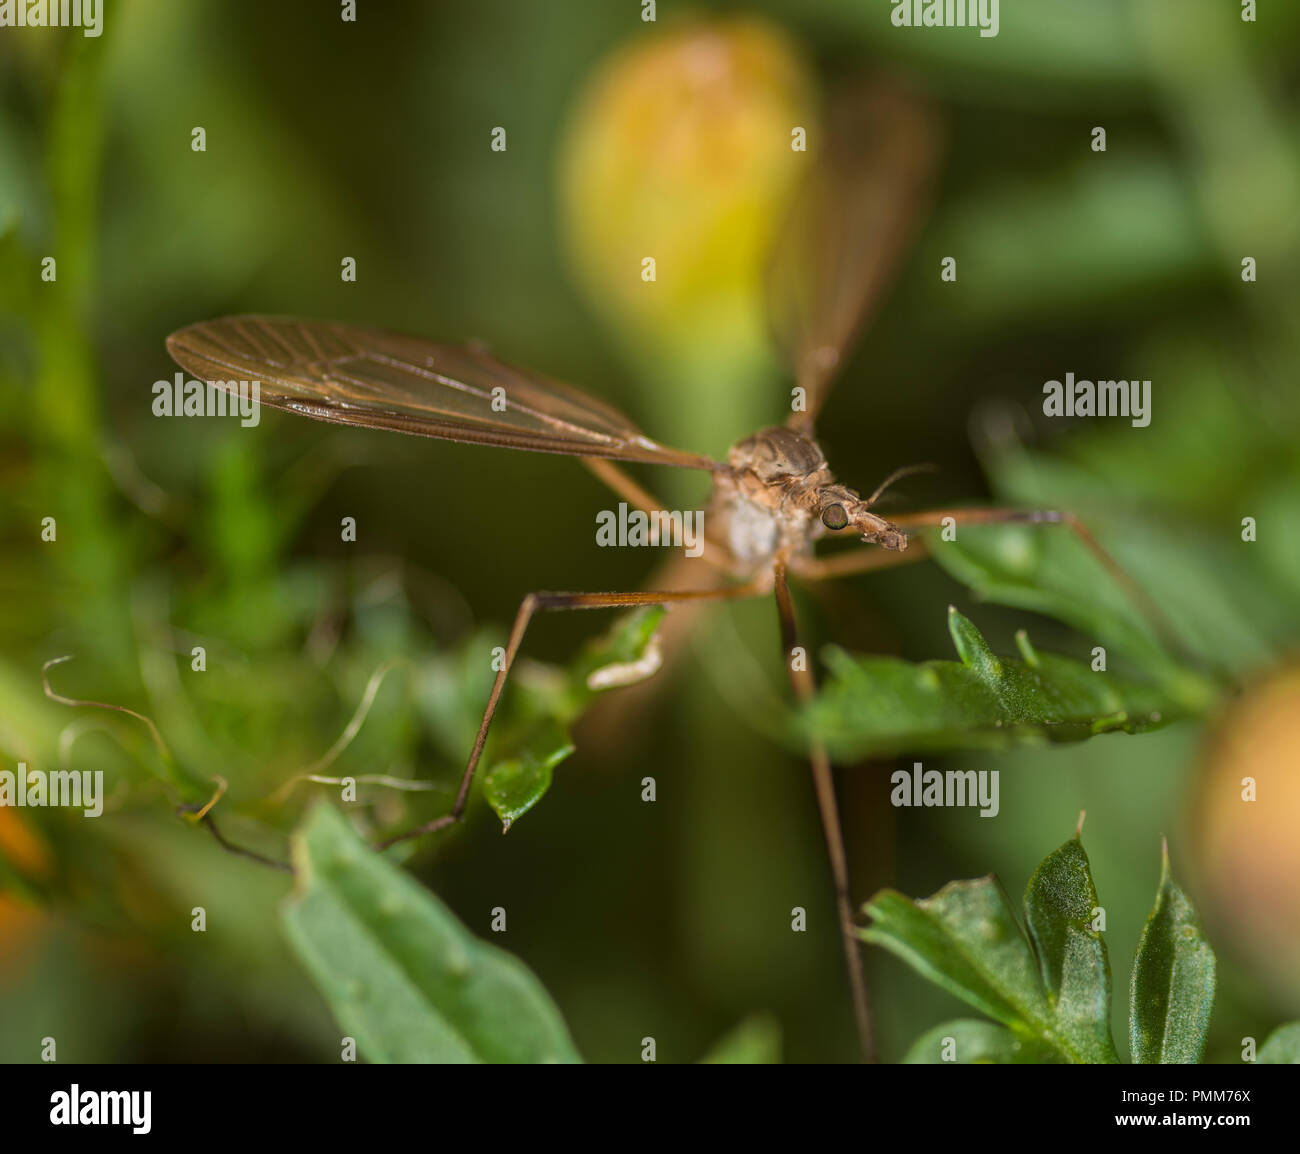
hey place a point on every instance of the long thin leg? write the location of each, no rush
(530, 605)
(930, 517)
(863, 560)
(678, 572)
(804, 684)
(623, 485)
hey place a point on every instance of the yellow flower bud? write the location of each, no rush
(675, 172)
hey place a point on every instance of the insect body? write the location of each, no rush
(777, 496)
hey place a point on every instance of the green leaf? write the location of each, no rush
(1174, 528)
(754, 1042)
(872, 706)
(1054, 998)
(535, 738)
(1172, 991)
(621, 650)
(513, 786)
(1282, 1047)
(452, 687)
(1059, 905)
(965, 938)
(968, 1042)
(401, 973)
(1048, 571)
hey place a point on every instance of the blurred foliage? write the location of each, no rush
(1283, 1046)
(372, 141)
(755, 1042)
(403, 976)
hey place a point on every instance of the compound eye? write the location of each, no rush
(834, 517)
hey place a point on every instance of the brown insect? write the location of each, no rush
(773, 497)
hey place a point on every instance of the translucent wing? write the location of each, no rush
(848, 226)
(360, 376)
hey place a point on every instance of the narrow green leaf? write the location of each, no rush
(513, 786)
(1172, 992)
(968, 1042)
(965, 938)
(754, 1042)
(1282, 1047)
(1060, 905)
(877, 706)
(973, 650)
(401, 973)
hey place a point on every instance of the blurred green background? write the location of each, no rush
(372, 140)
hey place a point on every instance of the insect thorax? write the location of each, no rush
(765, 503)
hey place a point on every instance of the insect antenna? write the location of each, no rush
(898, 475)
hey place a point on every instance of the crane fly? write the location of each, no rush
(773, 498)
